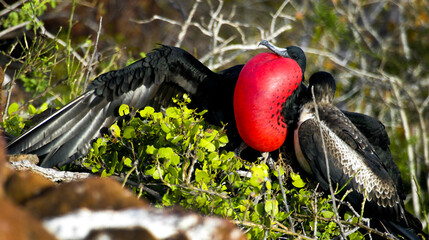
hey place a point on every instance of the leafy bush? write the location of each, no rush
(16, 123)
(175, 158)
(27, 12)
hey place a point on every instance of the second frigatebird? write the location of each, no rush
(333, 150)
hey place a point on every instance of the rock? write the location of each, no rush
(122, 234)
(33, 208)
(5, 170)
(23, 185)
(92, 193)
(159, 224)
(20, 157)
(17, 224)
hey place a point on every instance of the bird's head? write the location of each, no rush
(293, 52)
(323, 85)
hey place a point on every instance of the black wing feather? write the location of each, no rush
(67, 134)
(376, 134)
(385, 200)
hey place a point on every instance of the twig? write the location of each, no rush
(141, 186)
(128, 175)
(358, 224)
(195, 189)
(179, 6)
(410, 151)
(334, 204)
(283, 230)
(9, 95)
(50, 173)
(89, 70)
(191, 169)
(49, 35)
(12, 7)
(284, 198)
(11, 29)
(276, 15)
(402, 30)
(315, 210)
(186, 25)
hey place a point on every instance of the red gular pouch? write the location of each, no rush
(264, 84)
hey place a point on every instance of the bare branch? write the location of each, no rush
(93, 54)
(49, 173)
(284, 198)
(187, 23)
(14, 28)
(334, 204)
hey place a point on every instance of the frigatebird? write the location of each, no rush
(165, 72)
(330, 147)
(66, 135)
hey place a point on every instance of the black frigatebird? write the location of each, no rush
(353, 161)
(165, 72)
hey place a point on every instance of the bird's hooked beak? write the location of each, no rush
(279, 51)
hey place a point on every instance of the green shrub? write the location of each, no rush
(175, 158)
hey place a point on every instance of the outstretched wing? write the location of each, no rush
(154, 80)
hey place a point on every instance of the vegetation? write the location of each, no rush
(376, 50)
(175, 158)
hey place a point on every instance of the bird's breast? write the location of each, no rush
(304, 116)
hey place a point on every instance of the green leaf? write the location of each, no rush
(158, 173)
(172, 112)
(297, 181)
(43, 108)
(271, 207)
(157, 116)
(150, 149)
(207, 145)
(223, 139)
(356, 236)
(154, 172)
(31, 109)
(124, 109)
(147, 111)
(115, 166)
(259, 209)
(268, 185)
(165, 127)
(327, 214)
(174, 171)
(116, 131)
(201, 200)
(347, 216)
(127, 162)
(12, 108)
(170, 155)
(201, 176)
(150, 171)
(173, 138)
(259, 173)
(129, 132)
(175, 159)
(165, 152)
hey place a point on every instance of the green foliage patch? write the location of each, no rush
(16, 122)
(175, 158)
